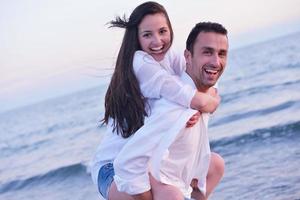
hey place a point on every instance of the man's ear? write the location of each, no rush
(187, 54)
(188, 57)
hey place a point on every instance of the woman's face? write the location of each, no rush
(154, 35)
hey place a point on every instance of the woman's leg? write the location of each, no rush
(114, 194)
(215, 173)
(214, 176)
(108, 188)
(161, 191)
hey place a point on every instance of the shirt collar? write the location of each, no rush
(187, 79)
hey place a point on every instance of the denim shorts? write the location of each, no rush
(105, 178)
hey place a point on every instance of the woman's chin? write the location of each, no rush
(158, 57)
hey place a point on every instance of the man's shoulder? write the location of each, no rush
(186, 79)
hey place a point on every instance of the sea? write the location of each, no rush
(46, 148)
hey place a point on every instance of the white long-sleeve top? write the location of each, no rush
(157, 79)
(172, 153)
(160, 79)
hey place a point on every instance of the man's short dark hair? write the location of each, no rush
(203, 27)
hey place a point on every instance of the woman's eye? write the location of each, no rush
(147, 35)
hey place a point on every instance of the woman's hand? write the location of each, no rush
(193, 120)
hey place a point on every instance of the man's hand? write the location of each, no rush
(193, 120)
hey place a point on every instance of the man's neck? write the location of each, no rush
(201, 88)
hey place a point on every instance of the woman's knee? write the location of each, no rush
(114, 194)
(217, 164)
(172, 196)
(161, 191)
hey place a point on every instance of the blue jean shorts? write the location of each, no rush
(105, 178)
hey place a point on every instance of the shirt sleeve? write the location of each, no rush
(156, 82)
(177, 61)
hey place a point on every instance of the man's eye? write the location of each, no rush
(207, 52)
(163, 31)
(222, 55)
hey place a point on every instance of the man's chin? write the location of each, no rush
(211, 83)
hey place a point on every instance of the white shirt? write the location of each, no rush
(156, 79)
(163, 146)
(155, 82)
(160, 79)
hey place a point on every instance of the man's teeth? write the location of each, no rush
(210, 71)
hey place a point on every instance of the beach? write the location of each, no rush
(46, 148)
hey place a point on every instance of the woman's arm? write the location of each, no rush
(206, 102)
(156, 82)
(194, 119)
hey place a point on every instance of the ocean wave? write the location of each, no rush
(288, 131)
(9, 150)
(257, 90)
(78, 169)
(253, 113)
(293, 65)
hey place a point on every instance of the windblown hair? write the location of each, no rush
(203, 27)
(124, 102)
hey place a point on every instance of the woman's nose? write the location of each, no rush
(156, 39)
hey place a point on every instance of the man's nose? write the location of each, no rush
(215, 60)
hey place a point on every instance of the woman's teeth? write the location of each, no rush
(156, 48)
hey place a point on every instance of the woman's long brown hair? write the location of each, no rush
(124, 102)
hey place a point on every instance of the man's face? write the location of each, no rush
(209, 58)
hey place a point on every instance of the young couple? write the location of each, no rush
(157, 110)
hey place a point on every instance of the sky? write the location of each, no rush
(50, 48)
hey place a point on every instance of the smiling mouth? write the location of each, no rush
(211, 71)
(157, 49)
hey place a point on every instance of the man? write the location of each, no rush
(179, 156)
